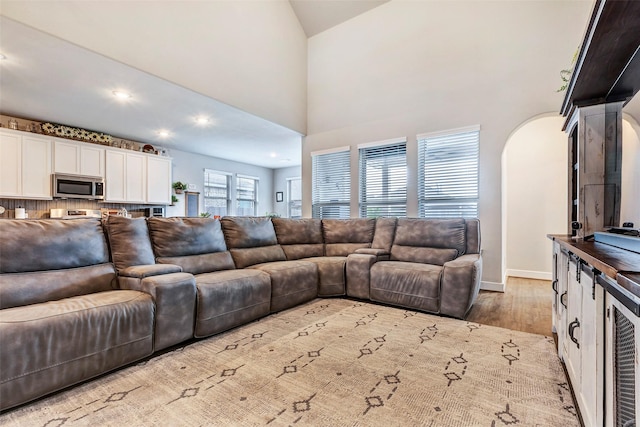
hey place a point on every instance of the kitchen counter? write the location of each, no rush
(622, 267)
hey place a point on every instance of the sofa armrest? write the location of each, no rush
(174, 295)
(359, 274)
(380, 254)
(142, 271)
(460, 285)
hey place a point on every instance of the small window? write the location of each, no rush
(331, 184)
(216, 192)
(383, 179)
(294, 197)
(448, 174)
(247, 196)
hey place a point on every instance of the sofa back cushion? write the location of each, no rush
(51, 244)
(251, 240)
(41, 260)
(384, 233)
(429, 241)
(195, 244)
(343, 236)
(129, 241)
(299, 238)
(473, 236)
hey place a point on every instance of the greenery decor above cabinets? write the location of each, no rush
(25, 165)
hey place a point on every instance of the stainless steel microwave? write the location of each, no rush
(77, 186)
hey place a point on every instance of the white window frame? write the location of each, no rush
(378, 195)
(254, 200)
(205, 186)
(449, 173)
(294, 202)
(331, 186)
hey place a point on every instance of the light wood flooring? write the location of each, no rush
(524, 306)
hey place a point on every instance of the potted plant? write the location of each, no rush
(179, 187)
(174, 199)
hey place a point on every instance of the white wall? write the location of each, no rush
(535, 189)
(250, 54)
(405, 68)
(630, 186)
(280, 184)
(189, 168)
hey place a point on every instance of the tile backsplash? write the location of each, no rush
(39, 209)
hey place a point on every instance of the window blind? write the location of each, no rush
(331, 185)
(246, 196)
(448, 174)
(216, 192)
(383, 180)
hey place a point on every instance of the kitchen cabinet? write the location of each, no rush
(80, 158)
(25, 165)
(132, 177)
(158, 180)
(597, 319)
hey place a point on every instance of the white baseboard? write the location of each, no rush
(540, 275)
(492, 286)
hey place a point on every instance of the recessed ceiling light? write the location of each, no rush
(2, 57)
(163, 133)
(274, 155)
(121, 94)
(202, 120)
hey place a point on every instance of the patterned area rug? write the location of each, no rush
(331, 362)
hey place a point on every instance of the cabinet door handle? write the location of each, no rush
(572, 327)
(564, 294)
(554, 286)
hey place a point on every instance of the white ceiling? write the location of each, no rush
(46, 78)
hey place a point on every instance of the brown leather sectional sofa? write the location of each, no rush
(79, 298)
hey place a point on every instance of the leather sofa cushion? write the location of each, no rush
(51, 244)
(384, 233)
(298, 231)
(473, 236)
(432, 233)
(433, 256)
(203, 263)
(246, 257)
(47, 347)
(406, 284)
(129, 241)
(41, 286)
(299, 238)
(248, 232)
(293, 252)
(230, 298)
(174, 237)
(355, 230)
(292, 282)
(344, 236)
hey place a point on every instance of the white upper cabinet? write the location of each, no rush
(25, 165)
(158, 180)
(132, 177)
(78, 158)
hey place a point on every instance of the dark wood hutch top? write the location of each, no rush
(608, 65)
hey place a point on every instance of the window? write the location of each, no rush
(216, 192)
(383, 179)
(294, 197)
(448, 174)
(331, 184)
(247, 196)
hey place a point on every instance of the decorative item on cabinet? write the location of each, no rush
(174, 200)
